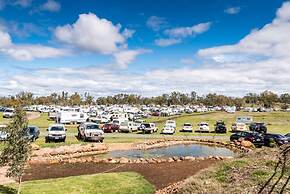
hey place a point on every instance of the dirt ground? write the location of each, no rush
(32, 115)
(160, 175)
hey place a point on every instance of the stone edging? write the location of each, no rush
(88, 154)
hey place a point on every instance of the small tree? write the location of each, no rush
(17, 147)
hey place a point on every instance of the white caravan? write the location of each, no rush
(71, 117)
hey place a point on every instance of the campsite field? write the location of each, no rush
(124, 182)
(278, 122)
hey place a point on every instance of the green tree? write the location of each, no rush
(17, 147)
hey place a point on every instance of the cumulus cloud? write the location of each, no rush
(156, 23)
(232, 10)
(93, 34)
(2, 4)
(163, 42)
(272, 40)
(26, 52)
(23, 3)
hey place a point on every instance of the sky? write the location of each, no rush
(145, 47)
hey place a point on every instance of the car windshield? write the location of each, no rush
(278, 136)
(93, 127)
(56, 128)
(187, 125)
(146, 125)
(8, 110)
(31, 129)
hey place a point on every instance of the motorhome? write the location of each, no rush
(171, 123)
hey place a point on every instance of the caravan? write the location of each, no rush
(71, 117)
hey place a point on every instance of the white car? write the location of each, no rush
(8, 113)
(128, 127)
(171, 123)
(3, 134)
(168, 129)
(56, 132)
(202, 127)
(89, 131)
(187, 127)
(148, 128)
(239, 127)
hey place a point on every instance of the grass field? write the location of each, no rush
(107, 183)
(278, 122)
(246, 174)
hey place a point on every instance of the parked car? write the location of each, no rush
(90, 131)
(258, 127)
(56, 132)
(168, 129)
(256, 138)
(239, 127)
(187, 127)
(8, 113)
(3, 134)
(148, 128)
(220, 127)
(128, 127)
(288, 136)
(277, 138)
(108, 128)
(171, 123)
(33, 132)
(202, 127)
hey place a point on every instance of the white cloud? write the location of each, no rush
(232, 10)
(156, 23)
(124, 58)
(51, 5)
(92, 33)
(23, 3)
(272, 40)
(29, 51)
(177, 34)
(183, 32)
(2, 4)
(163, 42)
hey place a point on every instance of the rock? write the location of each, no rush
(170, 160)
(123, 160)
(175, 158)
(247, 144)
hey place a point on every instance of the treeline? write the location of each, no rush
(265, 99)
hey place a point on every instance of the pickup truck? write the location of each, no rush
(148, 128)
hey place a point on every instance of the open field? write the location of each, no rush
(124, 182)
(278, 122)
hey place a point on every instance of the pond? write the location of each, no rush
(195, 150)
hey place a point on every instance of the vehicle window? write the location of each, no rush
(187, 125)
(56, 128)
(92, 126)
(31, 129)
(146, 125)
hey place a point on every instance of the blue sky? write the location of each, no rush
(144, 47)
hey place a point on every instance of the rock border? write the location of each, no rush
(90, 153)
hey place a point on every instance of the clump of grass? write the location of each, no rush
(260, 175)
(222, 174)
(239, 163)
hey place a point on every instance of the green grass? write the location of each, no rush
(108, 183)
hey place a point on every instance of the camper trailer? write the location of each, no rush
(70, 117)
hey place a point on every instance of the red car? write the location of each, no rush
(110, 128)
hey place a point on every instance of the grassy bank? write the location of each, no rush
(108, 183)
(247, 174)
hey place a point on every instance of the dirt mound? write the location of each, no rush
(160, 175)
